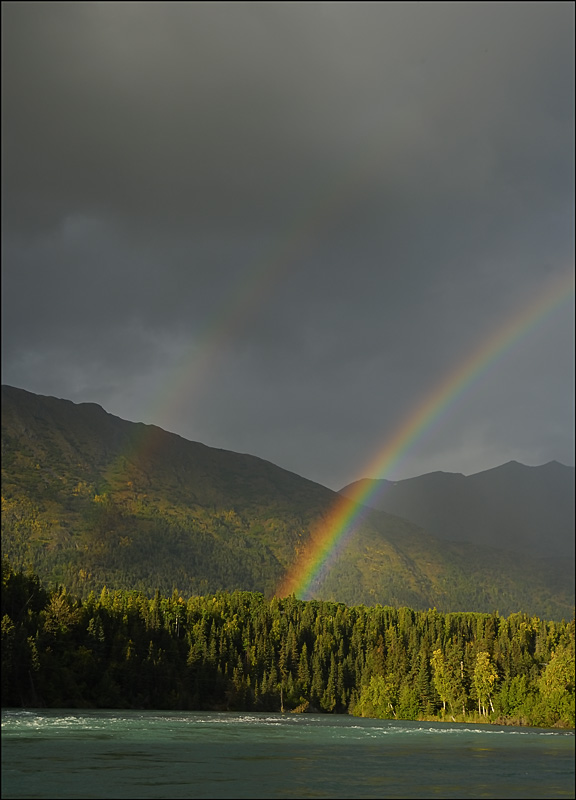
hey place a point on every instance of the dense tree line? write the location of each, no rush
(239, 651)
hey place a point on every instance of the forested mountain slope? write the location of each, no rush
(89, 500)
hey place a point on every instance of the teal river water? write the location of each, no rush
(146, 754)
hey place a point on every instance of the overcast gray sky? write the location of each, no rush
(275, 228)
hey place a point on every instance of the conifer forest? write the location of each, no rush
(241, 652)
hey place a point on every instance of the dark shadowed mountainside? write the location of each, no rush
(89, 500)
(513, 507)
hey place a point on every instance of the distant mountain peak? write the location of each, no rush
(555, 465)
(512, 506)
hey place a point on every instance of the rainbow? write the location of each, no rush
(241, 299)
(327, 539)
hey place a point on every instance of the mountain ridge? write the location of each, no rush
(90, 499)
(512, 506)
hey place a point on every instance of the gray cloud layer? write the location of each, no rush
(274, 227)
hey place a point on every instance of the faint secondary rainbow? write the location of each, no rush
(262, 278)
(343, 518)
(241, 300)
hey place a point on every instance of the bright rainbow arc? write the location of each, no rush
(347, 512)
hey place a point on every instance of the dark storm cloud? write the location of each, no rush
(179, 111)
(318, 208)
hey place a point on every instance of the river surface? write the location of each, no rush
(145, 754)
